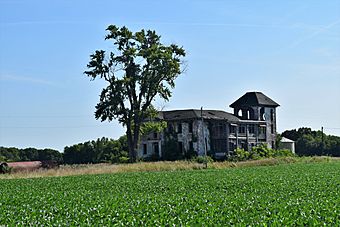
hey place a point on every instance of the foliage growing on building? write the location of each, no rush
(171, 151)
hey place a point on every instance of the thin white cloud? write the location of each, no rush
(314, 34)
(292, 13)
(195, 24)
(25, 79)
(187, 24)
(317, 30)
(325, 52)
(19, 23)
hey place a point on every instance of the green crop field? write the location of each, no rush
(291, 194)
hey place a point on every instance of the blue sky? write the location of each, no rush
(289, 50)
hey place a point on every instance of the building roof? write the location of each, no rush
(196, 114)
(254, 99)
(286, 140)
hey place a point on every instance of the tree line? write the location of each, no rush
(12, 154)
(307, 143)
(95, 151)
(99, 151)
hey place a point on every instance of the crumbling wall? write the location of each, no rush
(203, 137)
(270, 118)
(185, 137)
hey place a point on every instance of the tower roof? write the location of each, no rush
(196, 114)
(254, 99)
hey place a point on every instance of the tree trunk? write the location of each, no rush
(132, 140)
(135, 141)
(130, 143)
(132, 152)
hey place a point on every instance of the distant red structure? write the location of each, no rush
(30, 166)
(24, 166)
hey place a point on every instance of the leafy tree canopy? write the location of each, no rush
(138, 69)
(12, 154)
(97, 151)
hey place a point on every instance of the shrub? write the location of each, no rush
(202, 159)
(240, 155)
(4, 168)
(283, 153)
(190, 154)
(119, 158)
(262, 150)
(2, 158)
(153, 158)
(123, 159)
(258, 152)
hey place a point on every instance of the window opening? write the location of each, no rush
(145, 149)
(190, 127)
(179, 129)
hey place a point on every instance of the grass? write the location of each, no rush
(70, 170)
(305, 193)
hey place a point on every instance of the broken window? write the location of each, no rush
(170, 128)
(145, 149)
(219, 145)
(155, 148)
(190, 127)
(251, 129)
(244, 145)
(220, 129)
(242, 129)
(272, 115)
(191, 146)
(179, 127)
(232, 129)
(262, 129)
(180, 147)
(206, 145)
(232, 146)
(262, 114)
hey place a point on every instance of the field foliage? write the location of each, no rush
(290, 194)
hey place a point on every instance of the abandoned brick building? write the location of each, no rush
(217, 132)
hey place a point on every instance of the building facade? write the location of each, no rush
(214, 131)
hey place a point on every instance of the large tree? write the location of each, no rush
(137, 70)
